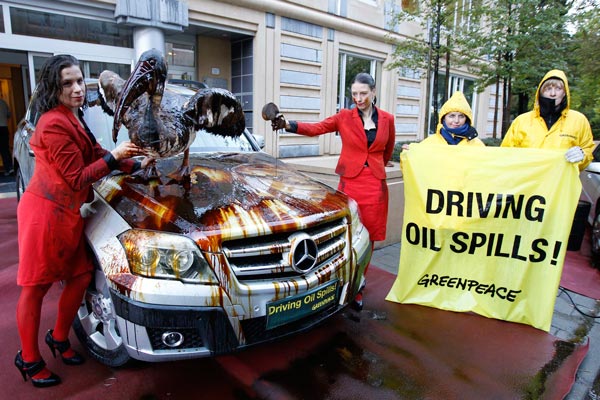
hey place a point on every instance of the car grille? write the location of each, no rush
(265, 257)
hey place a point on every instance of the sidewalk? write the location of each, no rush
(567, 324)
(7, 185)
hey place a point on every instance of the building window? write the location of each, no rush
(242, 73)
(92, 69)
(338, 7)
(37, 61)
(349, 66)
(409, 73)
(63, 27)
(181, 55)
(390, 10)
(455, 84)
(301, 27)
(461, 14)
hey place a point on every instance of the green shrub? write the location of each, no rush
(398, 149)
(491, 141)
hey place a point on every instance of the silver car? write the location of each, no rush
(590, 180)
(251, 252)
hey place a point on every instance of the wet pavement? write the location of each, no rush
(567, 323)
(7, 185)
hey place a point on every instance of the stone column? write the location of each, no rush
(145, 38)
(150, 19)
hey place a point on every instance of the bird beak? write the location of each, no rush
(148, 76)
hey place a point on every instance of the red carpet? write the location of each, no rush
(578, 274)
(389, 351)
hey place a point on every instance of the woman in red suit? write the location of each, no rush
(368, 137)
(51, 244)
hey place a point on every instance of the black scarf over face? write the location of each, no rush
(549, 111)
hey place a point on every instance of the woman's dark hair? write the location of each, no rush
(49, 87)
(365, 78)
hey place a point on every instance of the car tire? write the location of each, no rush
(96, 326)
(596, 241)
(20, 184)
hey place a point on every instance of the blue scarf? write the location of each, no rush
(454, 135)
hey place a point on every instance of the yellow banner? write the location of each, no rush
(485, 230)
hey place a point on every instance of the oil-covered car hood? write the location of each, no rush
(232, 195)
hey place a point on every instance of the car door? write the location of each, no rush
(590, 182)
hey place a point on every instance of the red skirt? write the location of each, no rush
(371, 194)
(51, 243)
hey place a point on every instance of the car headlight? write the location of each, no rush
(165, 256)
(357, 226)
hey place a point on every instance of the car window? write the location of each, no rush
(206, 141)
(596, 153)
(101, 124)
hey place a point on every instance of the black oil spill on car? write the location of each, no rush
(251, 251)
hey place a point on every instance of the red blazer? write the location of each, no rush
(355, 152)
(66, 161)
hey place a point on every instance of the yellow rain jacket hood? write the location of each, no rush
(571, 129)
(456, 103)
(555, 73)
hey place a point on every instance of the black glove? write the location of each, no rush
(279, 122)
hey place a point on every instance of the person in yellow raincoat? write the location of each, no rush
(552, 124)
(454, 126)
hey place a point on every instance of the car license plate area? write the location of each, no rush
(291, 309)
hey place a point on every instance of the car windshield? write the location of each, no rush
(101, 124)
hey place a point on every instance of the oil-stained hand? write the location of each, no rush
(126, 150)
(279, 122)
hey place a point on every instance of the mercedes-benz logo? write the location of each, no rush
(304, 252)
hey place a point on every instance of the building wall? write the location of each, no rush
(297, 46)
(213, 61)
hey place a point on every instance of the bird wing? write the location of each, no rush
(215, 110)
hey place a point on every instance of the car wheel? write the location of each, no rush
(96, 326)
(20, 184)
(596, 241)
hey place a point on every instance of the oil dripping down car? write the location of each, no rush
(253, 251)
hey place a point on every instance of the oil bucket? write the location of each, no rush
(578, 227)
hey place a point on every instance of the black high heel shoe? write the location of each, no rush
(34, 368)
(54, 345)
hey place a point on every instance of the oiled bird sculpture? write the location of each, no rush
(164, 123)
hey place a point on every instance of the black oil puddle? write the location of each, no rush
(341, 369)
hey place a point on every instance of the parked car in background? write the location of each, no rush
(590, 181)
(252, 251)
